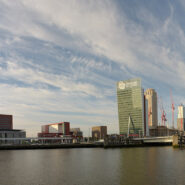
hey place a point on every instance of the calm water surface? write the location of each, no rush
(130, 166)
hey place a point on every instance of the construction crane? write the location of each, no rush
(173, 108)
(164, 117)
(163, 113)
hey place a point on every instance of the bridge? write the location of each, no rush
(156, 140)
(120, 141)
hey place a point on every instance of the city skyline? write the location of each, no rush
(60, 61)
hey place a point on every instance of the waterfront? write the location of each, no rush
(93, 166)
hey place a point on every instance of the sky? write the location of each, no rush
(60, 60)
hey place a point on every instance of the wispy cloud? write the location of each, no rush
(61, 59)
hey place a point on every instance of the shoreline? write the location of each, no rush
(71, 146)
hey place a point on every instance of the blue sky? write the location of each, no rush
(60, 60)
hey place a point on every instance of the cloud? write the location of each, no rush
(105, 31)
(71, 53)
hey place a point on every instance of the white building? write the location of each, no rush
(181, 118)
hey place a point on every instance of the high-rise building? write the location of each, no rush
(99, 132)
(132, 110)
(6, 121)
(181, 118)
(151, 96)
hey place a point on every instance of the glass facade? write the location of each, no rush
(130, 104)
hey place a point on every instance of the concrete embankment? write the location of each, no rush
(136, 145)
(90, 145)
(110, 143)
(49, 146)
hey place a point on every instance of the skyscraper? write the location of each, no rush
(131, 107)
(151, 96)
(181, 118)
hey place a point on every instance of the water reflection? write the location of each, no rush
(128, 166)
(155, 165)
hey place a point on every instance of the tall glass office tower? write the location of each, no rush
(131, 107)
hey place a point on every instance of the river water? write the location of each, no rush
(93, 166)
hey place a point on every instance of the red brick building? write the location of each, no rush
(6, 122)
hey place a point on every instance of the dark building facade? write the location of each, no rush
(76, 132)
(162, 131)
(6, 121)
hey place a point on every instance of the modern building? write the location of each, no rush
(151, 96)
(99, 132)
(8, 135)
(181, 118)
(6, 121)
(11, 136)
(132, 108)
(55, 130)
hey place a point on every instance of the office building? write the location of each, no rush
(6, 121)
(132, 108)
(151, 97)
(99, 132)
(181, 118)
(55, 130)
(11, 136)
(8, 135)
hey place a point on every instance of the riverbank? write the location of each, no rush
(49, 146)
(77, 145)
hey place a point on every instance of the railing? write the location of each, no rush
(36, 140)
(120, 140)
(181, 141)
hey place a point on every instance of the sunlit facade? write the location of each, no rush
(130, 98)
(181, 118)
(151, 96)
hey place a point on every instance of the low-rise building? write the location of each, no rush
(99, 132)
(76, 132)
(11, 136)
(55, 130)
(162, 131)
(8, 135)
